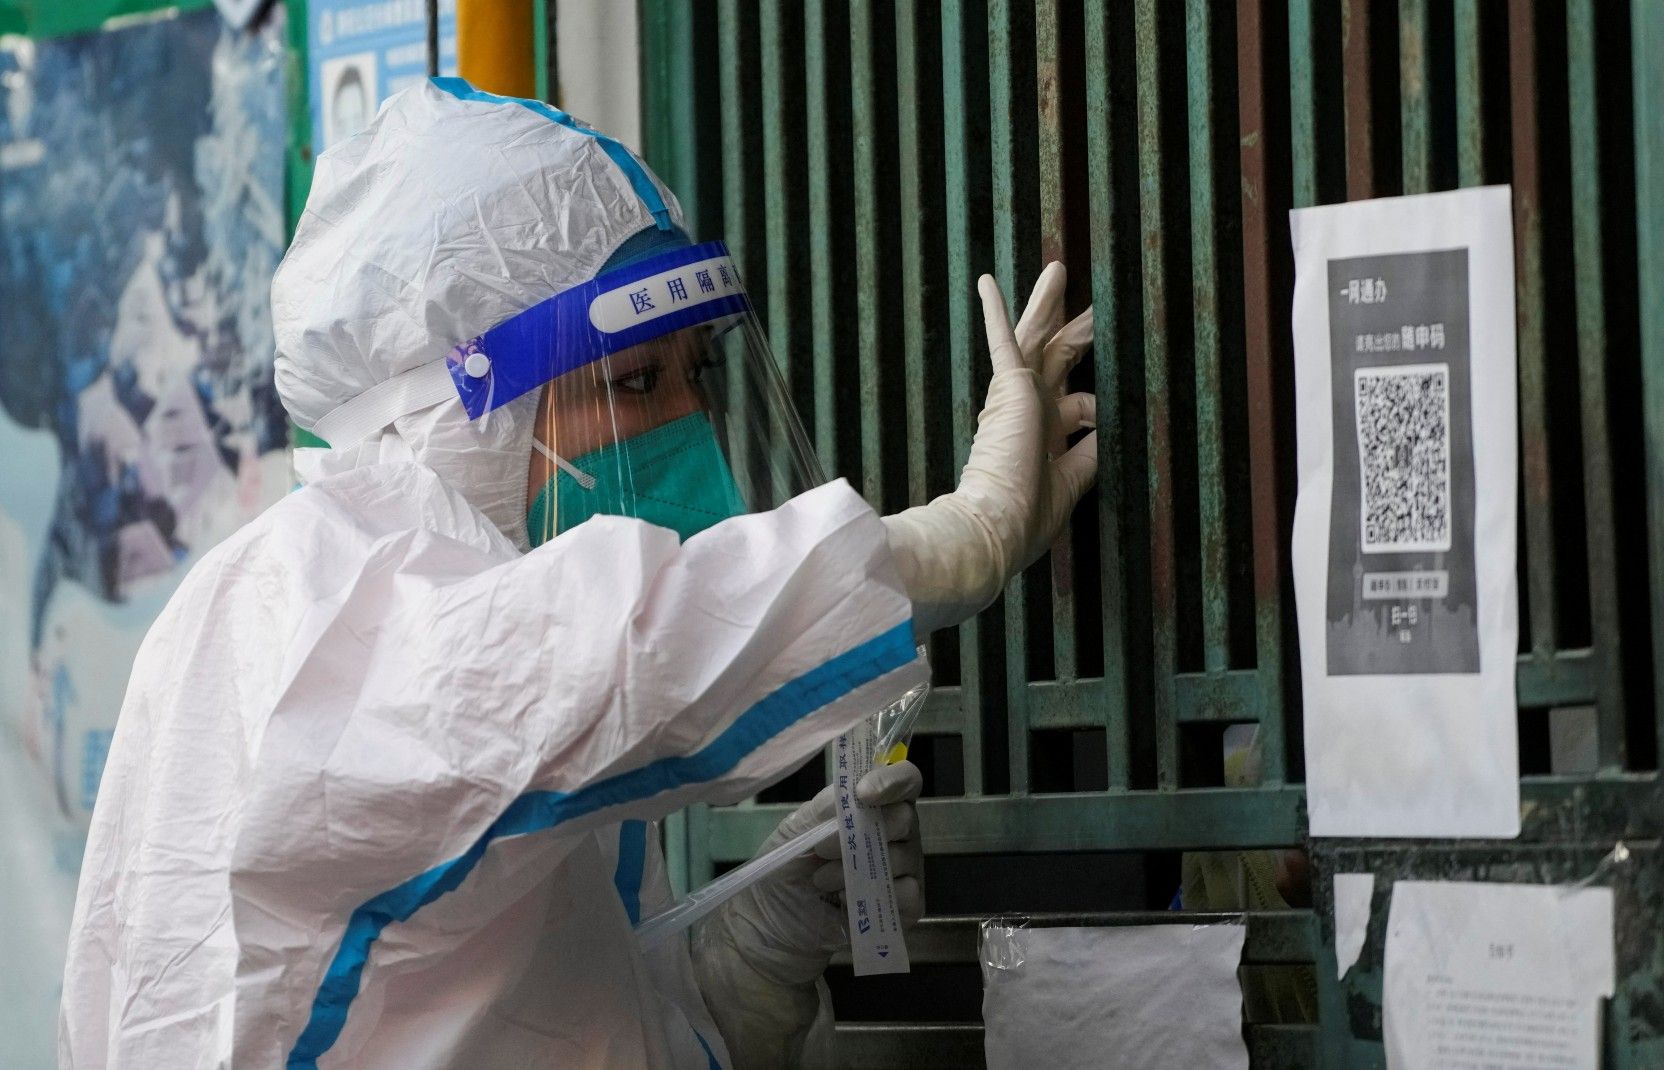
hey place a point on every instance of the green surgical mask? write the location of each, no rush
(674, 476)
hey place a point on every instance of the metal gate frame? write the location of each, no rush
(945, 138)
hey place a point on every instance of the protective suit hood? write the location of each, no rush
(452, 211)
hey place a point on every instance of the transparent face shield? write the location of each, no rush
(658, 398)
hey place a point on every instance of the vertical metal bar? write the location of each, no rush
(668, 98)
(1210, 422)
(869, 328)
(1587, 250)
(1054, 246)
(676, 852)
(1004, 127)
(700, 868)
(1106, 312)
(1533, 354)
(1163, 589)
(823, 273)
(1470, 120)
(666, 29)
(1002, 130)
(777, 226)
(1360, 102)
(1302, 93)
(913, 208)
(1054, 237)
(1258, 225)
(1647, 44)
(545, 68)
(963, 341)
(1413, 73)
(749, 249)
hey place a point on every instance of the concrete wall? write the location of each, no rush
(599, 66)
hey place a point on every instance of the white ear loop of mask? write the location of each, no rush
(585, 480)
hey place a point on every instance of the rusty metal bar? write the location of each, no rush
(1204, 281)
(1302, 94)
(1163, 568)
(823, 273)
(782, 282)
(1414, 70)
(961, 181)
(1260, 220)
(1200, 819)
(1588, 249)
(1470, 120)
(1106, 312)
(1006, 125)
(750, 249)
(1533, 350)
(1054, 246)
(869, 330)
(1360, 100)
(915, 204)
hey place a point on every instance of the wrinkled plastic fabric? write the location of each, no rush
(369, 686)
(440, 219)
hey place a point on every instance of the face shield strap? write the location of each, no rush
(648, 299)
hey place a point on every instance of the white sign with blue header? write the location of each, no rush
(363, 51)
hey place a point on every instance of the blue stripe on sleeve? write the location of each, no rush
(632, 856)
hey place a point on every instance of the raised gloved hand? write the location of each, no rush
(760, 957)
(1020, 482)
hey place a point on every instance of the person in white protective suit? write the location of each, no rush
(383, 787)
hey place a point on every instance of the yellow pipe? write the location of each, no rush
(494, 46)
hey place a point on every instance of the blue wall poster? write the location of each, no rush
(360, 52)
(141, 217)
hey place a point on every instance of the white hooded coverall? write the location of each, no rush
(377, 794)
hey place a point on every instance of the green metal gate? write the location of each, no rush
(869, 159)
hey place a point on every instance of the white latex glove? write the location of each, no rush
(760, 957)
(1020, 483)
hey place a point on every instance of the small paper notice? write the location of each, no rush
(1352, 895)
(875, 939)
(1496, 976)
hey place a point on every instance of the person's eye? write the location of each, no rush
(641, 381)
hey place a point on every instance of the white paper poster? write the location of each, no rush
(1404, 529)
(1138, 997)
(1496, 976)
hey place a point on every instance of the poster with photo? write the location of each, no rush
(363, 51)
(141, 194)
(1405, 524)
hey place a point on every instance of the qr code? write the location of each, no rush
(1403, 415)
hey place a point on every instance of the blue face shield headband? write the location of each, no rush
(648, 299)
